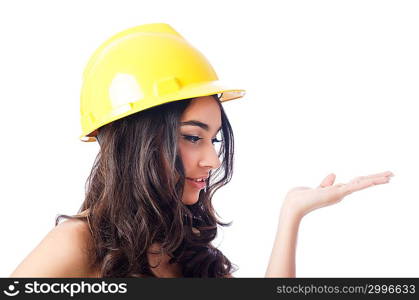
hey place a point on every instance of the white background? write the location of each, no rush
(332, 86)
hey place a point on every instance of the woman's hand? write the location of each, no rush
(302, 200)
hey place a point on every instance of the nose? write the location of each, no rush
(209, 158)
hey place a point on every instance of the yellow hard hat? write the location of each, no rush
(142, 67)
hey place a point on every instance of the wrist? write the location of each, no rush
(290, 211)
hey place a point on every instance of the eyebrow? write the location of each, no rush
(197, 123)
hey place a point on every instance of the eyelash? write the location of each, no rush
(193, 139)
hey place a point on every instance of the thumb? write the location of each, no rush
(328, 181)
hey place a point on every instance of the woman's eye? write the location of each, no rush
(191, 138)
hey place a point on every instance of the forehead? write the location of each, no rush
(204, 109)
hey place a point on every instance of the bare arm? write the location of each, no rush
(282, 259)
(299, 202)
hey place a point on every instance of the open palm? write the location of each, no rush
(303, 200)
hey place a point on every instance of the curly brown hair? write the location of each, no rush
(134, 192)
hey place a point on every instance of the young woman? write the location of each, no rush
(154, 104)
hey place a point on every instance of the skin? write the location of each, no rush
(300, 201)
(61, 253)
(199, 157)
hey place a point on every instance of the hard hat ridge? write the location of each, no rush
(142, 67)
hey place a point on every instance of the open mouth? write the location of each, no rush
(198, 183)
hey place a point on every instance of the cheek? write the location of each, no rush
(188, 159)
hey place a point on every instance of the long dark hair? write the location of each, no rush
(134, 192)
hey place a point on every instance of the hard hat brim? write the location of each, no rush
(191, 91)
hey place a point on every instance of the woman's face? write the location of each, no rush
(200, 126)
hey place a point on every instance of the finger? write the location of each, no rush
(328, 180)
(360, 179)
(387, 174)
(361, 184)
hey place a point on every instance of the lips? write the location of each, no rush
(199, 185)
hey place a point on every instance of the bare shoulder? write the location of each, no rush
(63, 252)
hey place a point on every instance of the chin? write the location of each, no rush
(190, 198)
